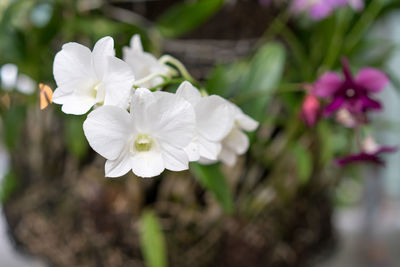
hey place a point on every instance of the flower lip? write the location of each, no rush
(143, 143)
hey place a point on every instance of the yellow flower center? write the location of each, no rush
(98, 92)
(143, 143)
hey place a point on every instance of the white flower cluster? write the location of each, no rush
(140, 130)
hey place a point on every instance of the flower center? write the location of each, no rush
(99, 92)
(350, 92)
(143, 143)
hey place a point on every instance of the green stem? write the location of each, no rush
(363, 24)
(148, 78)
(179, 66)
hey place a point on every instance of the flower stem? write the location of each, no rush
(179, 66)
(148, 78)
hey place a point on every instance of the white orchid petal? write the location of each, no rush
(62, 95)
(227, 156)
(207, 161)
(174, 119)
(147, 164)
(136, 43)
(192, 150)
(208, 149)
(120, 166)
(72, 64)
(77, 105)
(247, 123)
(118, 82)
(213, 118)
(142, 116)
(107, 130)
(189, 93)
(143, 64)
(237, 141)
(175, 159)
(103, 49)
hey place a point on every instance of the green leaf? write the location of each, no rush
(152, 241)
(183, 17)
(212, 178)
(74, 137)
(304, 163)
(227, 80)
(7, 186)
(264, 76)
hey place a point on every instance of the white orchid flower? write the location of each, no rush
(86, 78)
(237, 142)
(213, 122)
(149, 139)
(144, 64)
(8, 76)
(11, 78)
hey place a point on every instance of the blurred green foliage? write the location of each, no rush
(7, 186)
(152, 240)
(76, 142)
(185, 16)
(212, 179)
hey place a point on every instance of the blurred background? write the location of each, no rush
(285, 203)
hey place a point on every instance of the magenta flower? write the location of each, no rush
(320, 9)
(351, 93)
(371, 153)
(310, 108)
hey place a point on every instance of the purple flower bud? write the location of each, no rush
(310, 109)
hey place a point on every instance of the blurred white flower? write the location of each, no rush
(10, 79)
(144, 64)
(8, 76)
(213, 122)
(25, 84)
(237, 142)
(149, 139)
(86, 78)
